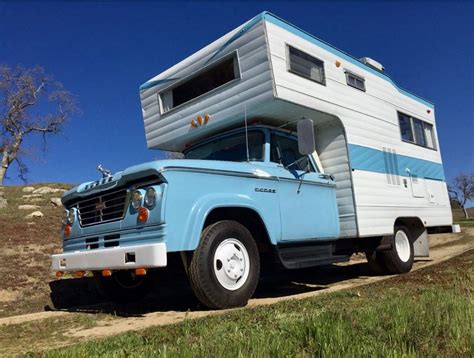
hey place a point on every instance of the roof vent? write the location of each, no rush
(372, 63)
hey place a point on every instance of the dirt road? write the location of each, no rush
(176, 303)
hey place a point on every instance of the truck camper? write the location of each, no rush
(292, 149)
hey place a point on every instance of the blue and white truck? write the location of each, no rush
(291, 148)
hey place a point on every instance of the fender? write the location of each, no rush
(194, 223)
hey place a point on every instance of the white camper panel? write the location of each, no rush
(172, 130)
(379, 177)
(370, 122)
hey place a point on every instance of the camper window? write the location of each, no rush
(305, 65)
(416, 131)
(232, 148)
(355, 81)
(209, 79)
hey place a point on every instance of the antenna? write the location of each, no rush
(246, 132)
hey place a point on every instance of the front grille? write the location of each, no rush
(103, 208)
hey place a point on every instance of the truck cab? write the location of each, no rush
(230, 194)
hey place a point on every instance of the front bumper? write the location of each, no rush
(114, 258)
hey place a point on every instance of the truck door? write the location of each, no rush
(308, 207)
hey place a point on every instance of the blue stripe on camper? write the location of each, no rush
(307, 36)
(373, 160)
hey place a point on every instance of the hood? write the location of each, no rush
(156, 171)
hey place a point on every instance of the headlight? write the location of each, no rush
(69, 216)
(150, 197)
(136, 199)
(66, 217)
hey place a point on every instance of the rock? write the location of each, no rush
(36, 200)
(3, 203)
(28, 189)
(56, 202)
(34, 214)
(47, 190)
(28, 207)
(30, 196)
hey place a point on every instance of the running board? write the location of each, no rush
(301, 256)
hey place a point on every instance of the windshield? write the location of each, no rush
(230, 148)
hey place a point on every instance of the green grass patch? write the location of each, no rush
(469, 222)
(424, 313)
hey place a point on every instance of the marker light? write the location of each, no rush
(67, 230)
(193, 123)
(338, 63)
(136, 199)
(140, 271)
(206, 118)
(142, 214)
(199, 119)
(150, 197)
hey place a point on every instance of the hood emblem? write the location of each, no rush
(106, 173)
(100, 205)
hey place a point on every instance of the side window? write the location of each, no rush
(305, 65)
(231, 148)
(405, 127)
(416, 131)
(355, 81)
(284, 150)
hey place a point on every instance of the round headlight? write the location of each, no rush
(66, 216)
(150, 197)
(71, 216)
(136, 199)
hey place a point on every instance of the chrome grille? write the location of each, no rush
(103, 208)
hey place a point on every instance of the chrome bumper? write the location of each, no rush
(115, 258)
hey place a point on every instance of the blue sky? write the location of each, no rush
(102, 52)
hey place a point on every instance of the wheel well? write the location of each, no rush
(246, 217)
(414, 224)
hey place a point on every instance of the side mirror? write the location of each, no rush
(305, 130)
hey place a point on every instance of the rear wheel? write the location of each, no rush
(124, 286)
(225, 268)
(401, 256)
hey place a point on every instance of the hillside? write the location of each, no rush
(26, 245)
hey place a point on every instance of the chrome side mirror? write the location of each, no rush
(305, 130)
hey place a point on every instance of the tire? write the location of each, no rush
(225, 268)
(376, 262)
(400, 258)
(123, 286)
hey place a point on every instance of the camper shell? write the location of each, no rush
(376, 139)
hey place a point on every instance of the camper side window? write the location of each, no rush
(416, 131)
(204, 81)
(355, 81)
(305, 65)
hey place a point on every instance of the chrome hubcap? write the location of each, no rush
(231, 264)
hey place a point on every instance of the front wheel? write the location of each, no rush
(225, 268)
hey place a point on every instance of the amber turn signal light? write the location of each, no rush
(106, 273)
(140, 271)
(59, 274)
(79, 274)
(67, 230)
(142, 214)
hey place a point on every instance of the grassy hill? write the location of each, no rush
(25, 249)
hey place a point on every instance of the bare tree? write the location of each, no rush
(462, 190)
(30, 103)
